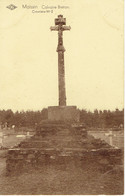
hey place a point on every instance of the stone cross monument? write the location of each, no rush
(60, 22)
(62, 112)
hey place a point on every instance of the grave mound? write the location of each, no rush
(59, 143)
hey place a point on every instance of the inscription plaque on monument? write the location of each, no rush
(62, 112)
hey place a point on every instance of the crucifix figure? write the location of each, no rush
(60, 23)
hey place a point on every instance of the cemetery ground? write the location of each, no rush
(65, 179)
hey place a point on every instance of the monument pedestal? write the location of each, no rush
(63, 113)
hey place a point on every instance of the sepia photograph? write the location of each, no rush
(62, 97)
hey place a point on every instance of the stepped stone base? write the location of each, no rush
(23, 159)
(63, 113)
(59, 143)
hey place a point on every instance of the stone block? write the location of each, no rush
(63, 113)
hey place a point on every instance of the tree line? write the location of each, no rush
(103, 119)
(98, 118)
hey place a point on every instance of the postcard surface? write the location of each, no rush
(61, 100)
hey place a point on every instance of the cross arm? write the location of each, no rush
(66, 28)
(55, 28)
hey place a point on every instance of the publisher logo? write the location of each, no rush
(11, 7)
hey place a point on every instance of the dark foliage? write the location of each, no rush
(102, 119)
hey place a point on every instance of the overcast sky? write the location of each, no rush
(93, 57)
